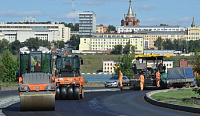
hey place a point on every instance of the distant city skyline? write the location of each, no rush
(108, 12)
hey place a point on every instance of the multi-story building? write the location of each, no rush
(193, 34)
(138, 29)
(149, 37)
(87, 23)
(101, 29)
(106, 43)
(24, 30)
(109, 66)
(168, 64)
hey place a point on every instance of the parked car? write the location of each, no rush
(114, 81)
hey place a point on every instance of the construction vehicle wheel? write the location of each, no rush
(70, 93)
(57, 93)
(63, 94)
(76, 93)
(82, 93)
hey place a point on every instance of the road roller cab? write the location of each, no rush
(36, 82)
(69, 82)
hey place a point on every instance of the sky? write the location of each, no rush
(108, 12)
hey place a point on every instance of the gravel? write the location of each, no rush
(7, 101)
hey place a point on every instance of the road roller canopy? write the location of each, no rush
(151, 56)
(35, 61)
(68, 64)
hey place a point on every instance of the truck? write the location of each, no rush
(36, 82)
(69, 82)
(148, 65)
(179, 77)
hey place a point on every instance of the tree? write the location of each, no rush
(34, 43)
(59, 44)
(128, 49)
(15, 46)
(8, 66)
(196, 67)
(75, 41)
(4, 45)
(111, 28)
(125, 66)
(158, 43)
(117, 50)
(167, 44)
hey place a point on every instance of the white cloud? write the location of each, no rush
(145, 7)
(11, 13)
(66, 16)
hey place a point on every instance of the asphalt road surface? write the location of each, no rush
(123, 103)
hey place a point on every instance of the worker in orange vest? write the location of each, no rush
(120, 78)
(158, 78)
(141, 82)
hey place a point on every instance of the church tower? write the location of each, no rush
(193, 24)
(130, 19)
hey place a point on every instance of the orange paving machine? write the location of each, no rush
(36, 82)
(69, 82)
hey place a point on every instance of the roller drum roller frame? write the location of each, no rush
(70, 93)
(76, 93)
(37, 102)
(57, 93)
(63, 93)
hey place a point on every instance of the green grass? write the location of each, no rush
(176, 97)
(177, 58)
(7, 84)
(92, 63)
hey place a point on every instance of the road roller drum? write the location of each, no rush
(37, 102)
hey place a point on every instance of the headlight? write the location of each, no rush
(115, 82)
(23, 88)
(50, 87)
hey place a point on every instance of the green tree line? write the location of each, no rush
(178, 45)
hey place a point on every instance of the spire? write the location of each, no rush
(193, 24)
(130, 11)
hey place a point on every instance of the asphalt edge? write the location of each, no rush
(5, 102)
(148, 98)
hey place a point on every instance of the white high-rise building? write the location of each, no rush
(24, 30)
(87, 23)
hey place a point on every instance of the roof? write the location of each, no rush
(147, 56)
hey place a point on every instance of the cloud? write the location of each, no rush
(144, 7)
(11, 13)
(66, 16)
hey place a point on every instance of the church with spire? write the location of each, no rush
(130, 19)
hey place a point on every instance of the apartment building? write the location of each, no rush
(87, 23)
(131, 29)
(106, 43)
(101, 29)
(43, 30)
(148, 37)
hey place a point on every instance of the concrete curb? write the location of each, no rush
(167, 105)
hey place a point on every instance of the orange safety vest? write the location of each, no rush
(158, 75)
(142, 78)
